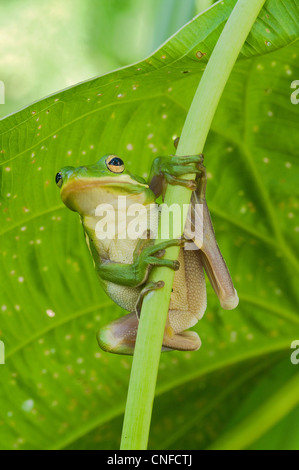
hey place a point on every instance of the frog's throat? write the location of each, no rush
(83, 184)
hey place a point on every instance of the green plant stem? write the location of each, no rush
(155, 305)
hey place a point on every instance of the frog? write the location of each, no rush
(123, 264)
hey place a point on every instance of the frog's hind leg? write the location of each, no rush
(185, 309)
(119, 336)
(187, 303)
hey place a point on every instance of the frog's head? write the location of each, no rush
(85, 187)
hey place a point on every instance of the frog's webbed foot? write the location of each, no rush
(119, 336)
(185, 341)
(170, 169)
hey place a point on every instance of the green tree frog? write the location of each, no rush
(123, 263)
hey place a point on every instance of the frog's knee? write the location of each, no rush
(119, 336)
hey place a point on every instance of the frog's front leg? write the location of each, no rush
(136, 274)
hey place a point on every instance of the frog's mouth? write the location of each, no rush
(82, 194)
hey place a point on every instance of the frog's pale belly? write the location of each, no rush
(125, 297)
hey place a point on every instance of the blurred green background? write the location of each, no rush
(50, 45)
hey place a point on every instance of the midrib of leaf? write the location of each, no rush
(170, 385)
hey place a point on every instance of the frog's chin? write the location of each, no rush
(84, 196)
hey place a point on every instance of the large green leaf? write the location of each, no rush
(57, 388)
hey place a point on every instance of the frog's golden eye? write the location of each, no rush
(115, 164)
(58, 179)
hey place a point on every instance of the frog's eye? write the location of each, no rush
(115, 164)
(58, 179)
